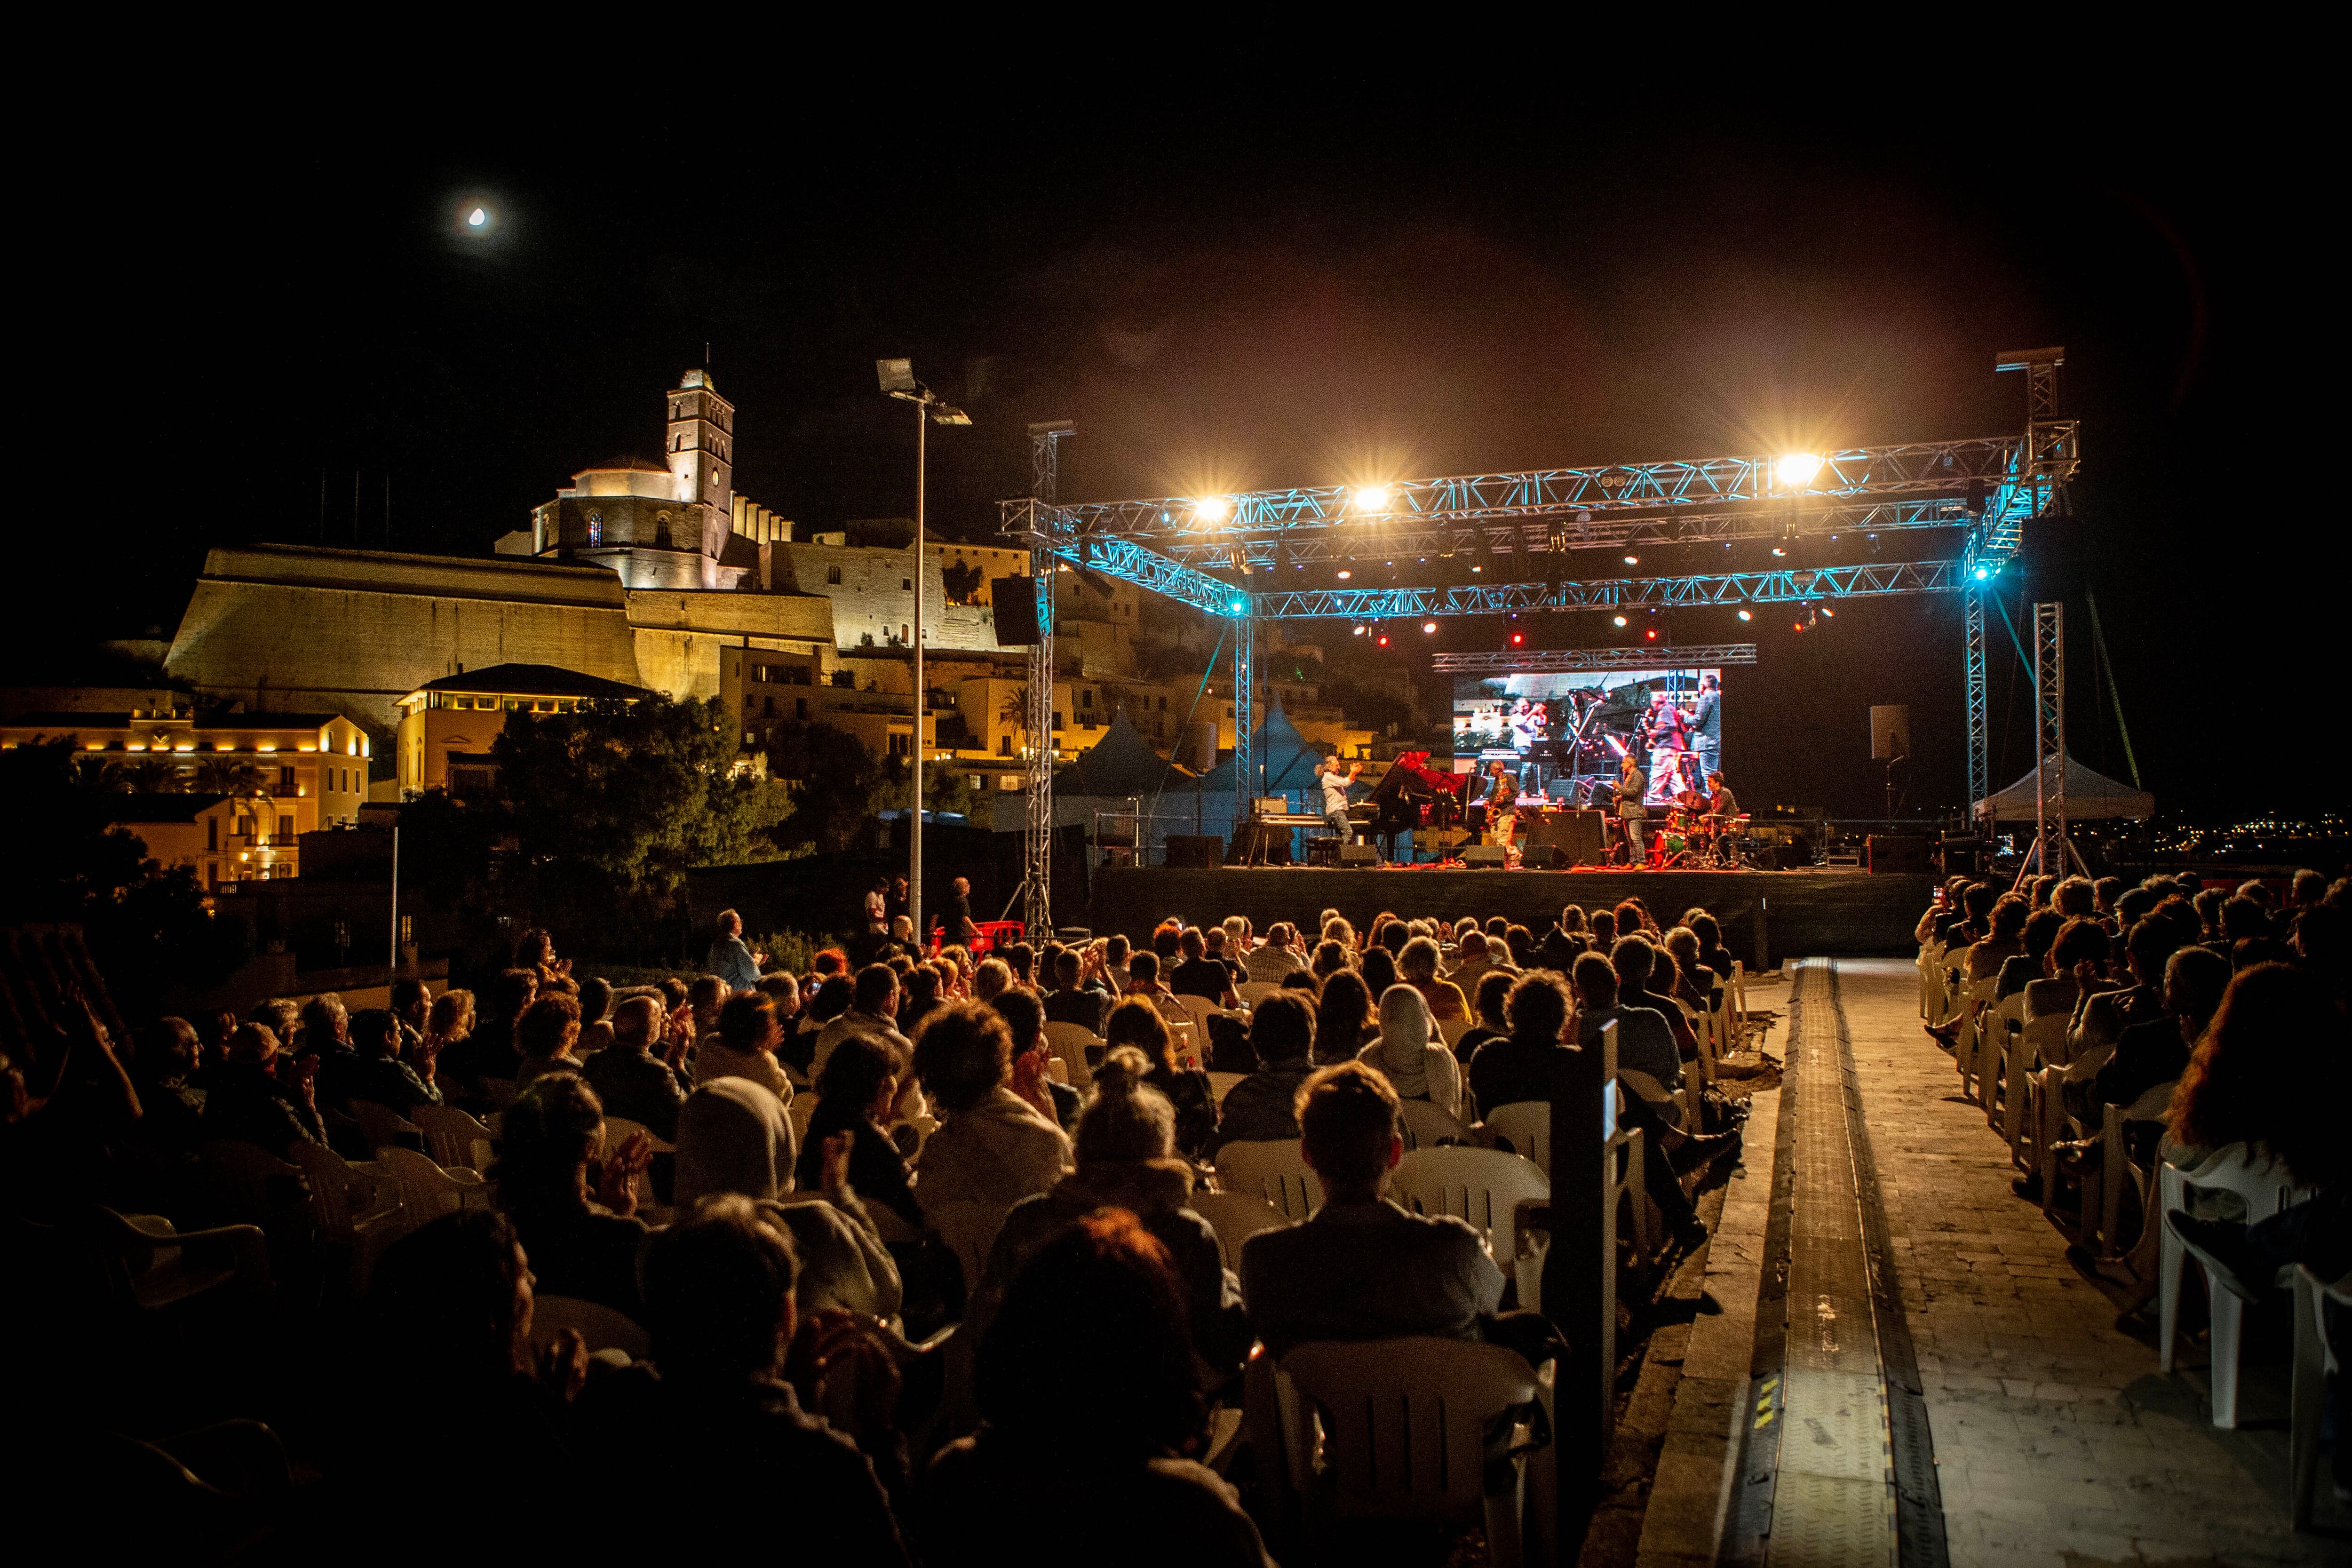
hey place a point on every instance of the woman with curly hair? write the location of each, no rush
(2268, 1069)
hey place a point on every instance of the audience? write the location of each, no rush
(1410, 1053)
(544, 1036)
(573, 1203)
(629, 1079)
(750, 1031)
(994, 1148)
(1517, 1068)
(1263, 1106)
(1135, 1022)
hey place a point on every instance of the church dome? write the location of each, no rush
(626, 464)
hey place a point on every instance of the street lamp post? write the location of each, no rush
(897, 379)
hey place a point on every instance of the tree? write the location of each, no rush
(836, 785)
(960, 581)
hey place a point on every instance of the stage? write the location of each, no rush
(1765, 914)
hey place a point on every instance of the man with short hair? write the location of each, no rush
(1706, 727)
(957, 922)
(629, 1078)
(2156, 1051)
(1277, 959)
(730, 958)
(1363, 1267)
(873, 1010)
(1071, 1001)
(1632, 783)
(1201, 975)
(412, 1006)
(1264, 1106)
(1644, 1042)
(377, 1073)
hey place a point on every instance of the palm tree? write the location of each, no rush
(225, 775)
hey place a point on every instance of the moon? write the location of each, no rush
(478, 217)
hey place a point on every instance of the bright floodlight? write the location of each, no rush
(895, 374)
(1239, 604)
(1428, 627)
(1796, 470)
(1373, 498)
(1344, 574)
(1746, 616)
(1212, 508)
(1618, 620)
(1633, 560)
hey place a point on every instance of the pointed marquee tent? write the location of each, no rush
(2089, 795)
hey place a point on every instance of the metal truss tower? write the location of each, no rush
(1244, 684)
(1980, 758)
(2052, 849)
(1037, 834)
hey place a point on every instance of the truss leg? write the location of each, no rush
(1244, 682)
(1980, 762)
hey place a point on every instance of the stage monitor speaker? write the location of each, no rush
(1015, 601)
(1483, 857)
(1264, 842)
(1196, 748)
(1196, 851)
(1544, 857)
(1897, 854)
(1890, 732)
(1359, 855)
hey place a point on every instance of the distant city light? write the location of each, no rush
(1359, 631)
(1344, 576)
(1797, 469)
(1777, 551)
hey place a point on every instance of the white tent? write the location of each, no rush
(2089, 795)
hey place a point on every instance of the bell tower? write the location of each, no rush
(702, 450)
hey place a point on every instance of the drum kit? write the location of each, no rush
(1695, 840)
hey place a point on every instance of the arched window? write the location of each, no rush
(661, 530)
(596, 528)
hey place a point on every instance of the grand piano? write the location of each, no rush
(1413, 797)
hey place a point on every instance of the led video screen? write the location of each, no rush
(1565, 732)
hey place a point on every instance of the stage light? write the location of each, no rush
(1796, 470)
(1746, 616)
(1428, 627)
(1633, 560)
(1982, 574)
(1372, 498)
(1796, 625)
(1518, 639)
(1239, 604)
(1652, 635)
(1212, 508)
(1381, 640)
(1777, 551)
(1344, 574)
(1827, 611)
(1618, 620)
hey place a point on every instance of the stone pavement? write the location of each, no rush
(2058, 1443)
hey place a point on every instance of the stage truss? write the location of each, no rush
(1227, 555)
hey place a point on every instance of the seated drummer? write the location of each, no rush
(1720, 801)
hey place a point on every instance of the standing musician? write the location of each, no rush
(1666, 729)
(1335, 795)
(1502, 802)
(1706, 724)
(1632, 783)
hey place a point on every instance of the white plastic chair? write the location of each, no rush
(1068, 1043)
(1674, 1105)
(1426, 1125)
(252, 1183)
(428, 1192)
(381, 1124)
(356, 1207)
(1484, 1186)
(2315, 1364)
(1402, 1425)
(1235, 1218)
(159, 1271)
(1253, 992)
(1528, 1124)
(451, 1137)
(1973, 994)
(2000, 1023)
(603, 1328)
(1274, 1170)
(1221, 1083)
(2115, 1167)
(970, 1231)
(2258, 1178)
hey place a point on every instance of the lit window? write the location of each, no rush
(833, 576)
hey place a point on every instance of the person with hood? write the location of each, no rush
(1127, 1159)
(1417, 1062)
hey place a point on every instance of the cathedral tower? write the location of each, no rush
(701, 448)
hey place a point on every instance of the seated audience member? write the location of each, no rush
(829, 999)
(1343, 1018)
(1634, 960)
(1201, 975)
(1517, 1067)
(1071, 1001)
(2073, 899)
(1557, 947)
(1117, 954)
(1603, 926)
(1088, 1374)
(1693, 982)
(2243, 917)
(326, 1034)
(861, 1080)
(2078, 955)
(745, 1046)
(262, 1098)
(2322, 947)
(1644, 1041)
(2003, 939)
(2268, 1069)
(1125, 1151)
(1221, 945)
(1417, 967)
(1379, 969)
(992, 979)
(1711, 951)
(873, 1011)
(2020, 969)
(449, 1020)
(1143, 980)
(595, 1018)
(545, 1035)
(1277, 959)
(2156, 1051)
(489, 1052)
(1330, 958)
(994, 1147)
(447, 1324)
(734, 1137)
(1032, 1079)
(1494, 1022)
(629, 1079)
(579, 1245)
(1471, 961)
(712, 1415)
(1136, 1023)
(378, 1074)
(2102, 1016)
(1408, 1050)
(1263, 1106)
(1363, 1267)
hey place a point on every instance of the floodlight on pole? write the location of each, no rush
(1796, 470)
(896, 377)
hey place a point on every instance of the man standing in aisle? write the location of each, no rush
(1706, 724)
(1335, 795)
(731, 958)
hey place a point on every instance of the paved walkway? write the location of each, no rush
(2058, 1443)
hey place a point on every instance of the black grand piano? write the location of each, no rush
(1413, 797)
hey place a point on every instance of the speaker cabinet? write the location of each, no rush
(1543, 857)
(1014, 601)
(1577, 835)
(1484, 857)
(1890, 732)
(1195, 852)
(1359, 855)
(1897, 854)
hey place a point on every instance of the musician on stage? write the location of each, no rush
(1502, 802)
(1723, 817)
(1664, 728)
(1706, 724)
(1335, 795)
(1632, 783)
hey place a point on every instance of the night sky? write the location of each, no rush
(1225, 297)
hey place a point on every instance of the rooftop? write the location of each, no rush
(535, 680)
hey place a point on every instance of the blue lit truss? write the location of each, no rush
(1786, 585)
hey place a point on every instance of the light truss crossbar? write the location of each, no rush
(1650, 657)
(1947, 467)
(1785, 586)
